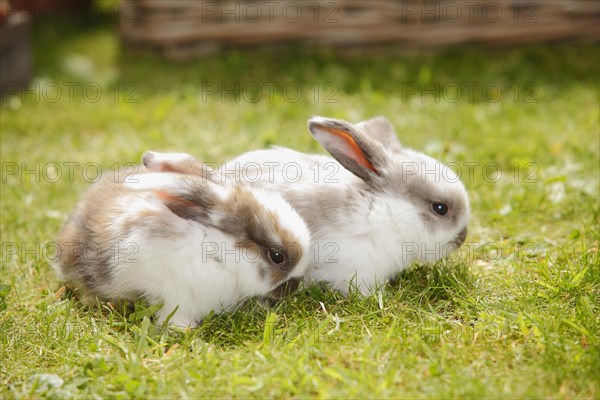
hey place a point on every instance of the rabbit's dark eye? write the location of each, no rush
(440, 208)
(276, 256)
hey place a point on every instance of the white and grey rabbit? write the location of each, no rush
(187, 241)
(372, 210)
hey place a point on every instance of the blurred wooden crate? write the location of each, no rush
(15, 53)
(180, 29)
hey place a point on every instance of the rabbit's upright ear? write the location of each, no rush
(180, 163)
(188, 197)
(380, 129)
(357, 152)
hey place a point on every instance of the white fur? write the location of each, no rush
(374, 240)
(358, 235)
(179, 273)
(161, 157)
(193, 268)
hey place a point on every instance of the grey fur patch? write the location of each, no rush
(422, 192)
(334, 205)
(380, 129)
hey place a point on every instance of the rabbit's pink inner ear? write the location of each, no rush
(164, 196)
(155, 165)
(181, 207)
(165, 167)
(345, 143)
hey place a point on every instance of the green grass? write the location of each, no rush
(514, 314)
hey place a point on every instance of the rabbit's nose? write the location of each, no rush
(460, 238)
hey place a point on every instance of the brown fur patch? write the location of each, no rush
(89, 239)
(85, 242)
(259, 230)
(90, 246)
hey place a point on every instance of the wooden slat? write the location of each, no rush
(180, 28)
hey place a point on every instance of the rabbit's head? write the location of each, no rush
(258, 227)
(420, 195)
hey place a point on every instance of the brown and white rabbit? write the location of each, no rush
(187, 241)
(372, 210)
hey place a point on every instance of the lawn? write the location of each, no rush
(514, 314)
